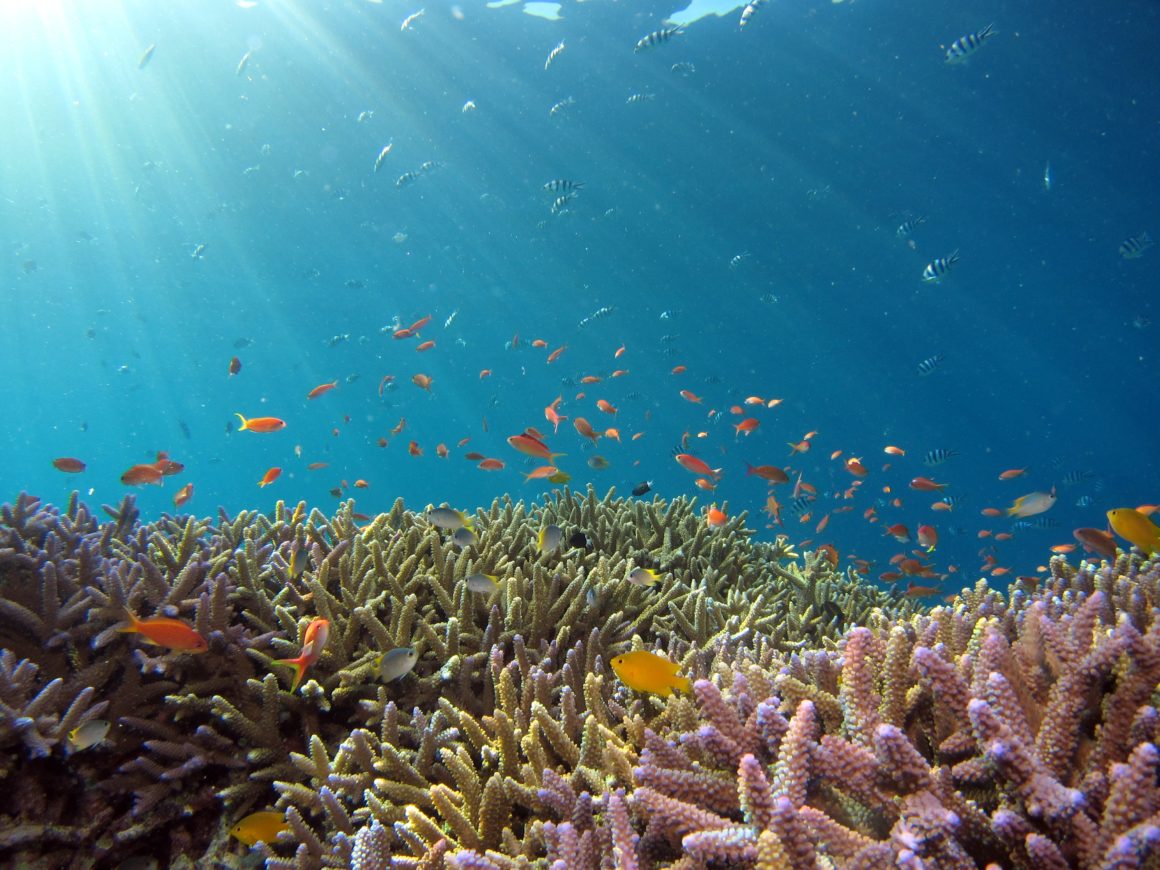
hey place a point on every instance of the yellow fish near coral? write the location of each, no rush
(648, 672)
(1131, 525)
(264, 826)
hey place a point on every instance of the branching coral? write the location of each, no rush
(830, 724)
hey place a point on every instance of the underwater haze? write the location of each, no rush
(880, 222)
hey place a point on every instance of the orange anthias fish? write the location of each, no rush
(689, 462)
(647, 672)
(925, 484)
(140, 475)
(260, 424)
(313, 642)
(530, 445)
(1012, 473)
(746, 426)
(68, 464)
(423, 381)
(183, 495)
(585, 428)
(767, 472)
(270, 476)
(715, 518)
(321, 389)
(235, 366)
(690, 396)
(491, 465)
(171, 633)
(1096, 541)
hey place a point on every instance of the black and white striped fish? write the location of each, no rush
(641, 98)
(937, 268)
(683, 68)
(907, 227)
(563, 185)
(1077, 476)
(750, 10)
(965, 46)
(938, 456)
(1037, 523)
(553, 54)
(559, 108)
(657, 37)
(1135, 246)
(929, 364)
(406, 178)
(560, 205)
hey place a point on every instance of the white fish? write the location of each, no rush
(464, 537)
(550, 538)
(450, 318)
(448, 518)
(411, 19)
(750, 10)
(559, 108)
(645, 577)
(553, 54)
(963, 47)
(657, 37)
(641, 98)
(383, 155)
(89, 734)
(147, 56)
(1047, 176)
(243, 63)
(469, 106)
(485, 584)
(397, 663)
(364, 116)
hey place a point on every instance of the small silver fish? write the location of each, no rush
(553, 54)
(89, 734)
(485, 584)
(243, 63)
(559, 108)
(448, 518)
(383, 155)
(645, 577)
(411, 19)
(464, 537)
(657, 37)
(147, 56)
(397, 663)
(550, 538)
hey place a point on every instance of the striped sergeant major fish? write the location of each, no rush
(563, 185)
(553, 54)
(750, 10)
(937, 457)
(559, 108)
(1077, 476)
(640, 98)
(1135, 246)
(1036, 523)
(965, 46)
(937, 268)
(657, 37)
(929, 364)
(683, 68)
(560, 205)
(907, 227)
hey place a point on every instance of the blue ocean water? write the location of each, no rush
(163, 216)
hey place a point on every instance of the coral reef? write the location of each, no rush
(831, 724)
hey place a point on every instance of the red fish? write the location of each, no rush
(532, 446)
(423, 381)
(68, 464)
(925, 484)
(140, 475)
(260, 424)
(270, 476)
(491, 464)
(1096, 541)
(1012, 473)
(585, 428)
(426, 345)
(171, 633)
(235, 366)
(928, 537)
(183, 495)
(746, 426)
(689, 462)
(767, 472)
(313, 642)
(690, 396)
(321, 389)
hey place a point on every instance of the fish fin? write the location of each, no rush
(134, 624)
(299, 670)
(243, 427)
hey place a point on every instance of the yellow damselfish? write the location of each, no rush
(264, 826)
(1131, 525)
(648, 672)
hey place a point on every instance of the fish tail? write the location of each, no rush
(299, 665)
(243, 427)
(134, 623)
(683, 684)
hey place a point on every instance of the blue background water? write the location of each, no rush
(803, 140)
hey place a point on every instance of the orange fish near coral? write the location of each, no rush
(260, 424)
(689, 462)
(313, 643)
(140, 475)
(767, 472)
(715, 518)
(270, 476)
(171, 633)
(183, 495)
(647, 672)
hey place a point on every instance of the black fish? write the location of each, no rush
(642, 487)
(184, 428)
(578, 539)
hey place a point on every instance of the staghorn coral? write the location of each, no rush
(1012, 728)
